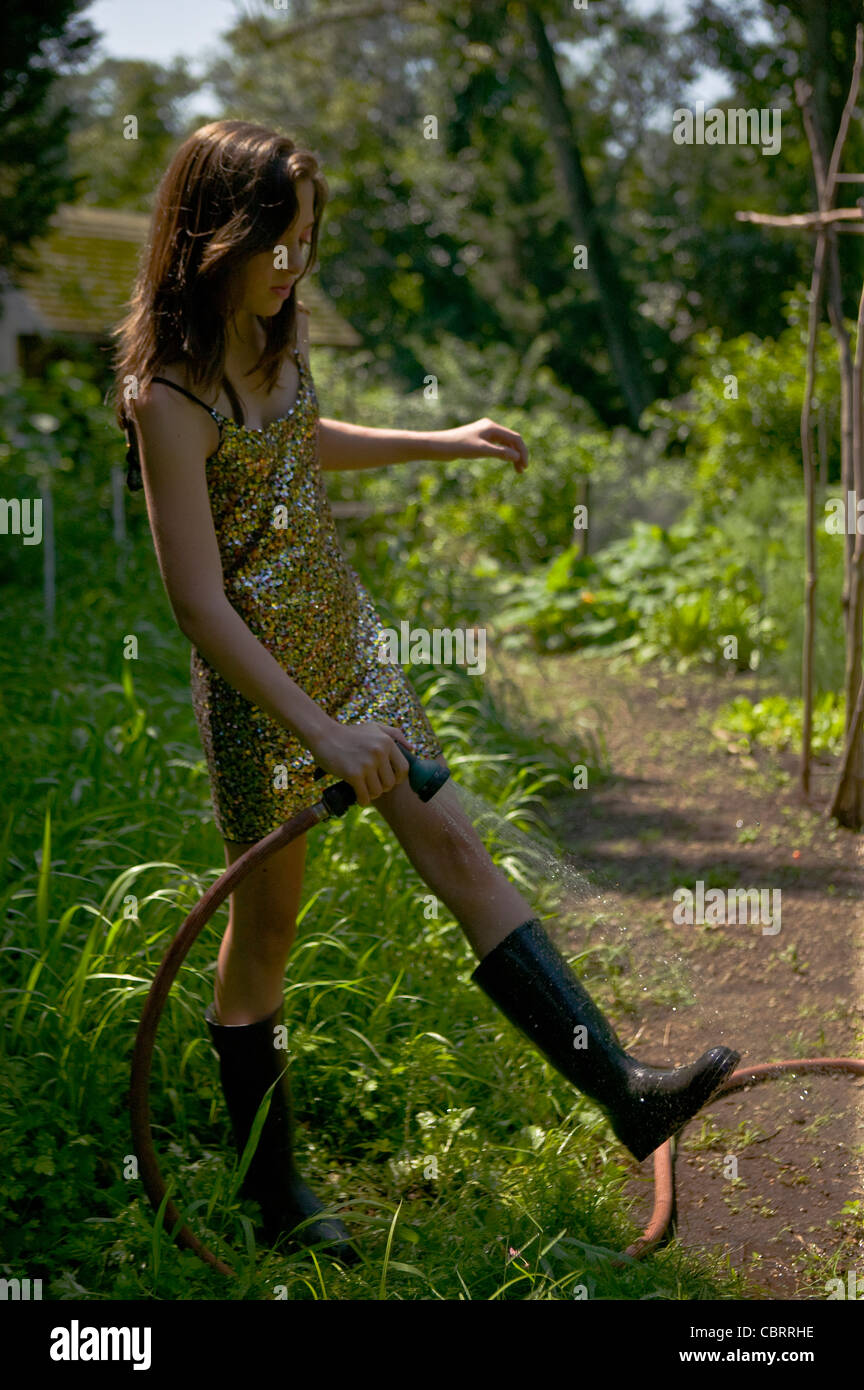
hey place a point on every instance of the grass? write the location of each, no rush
(466, 1167)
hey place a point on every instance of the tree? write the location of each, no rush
(809, 42)
(462, 231)
(38, 42)
(129, 120)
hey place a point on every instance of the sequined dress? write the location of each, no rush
(286, 575)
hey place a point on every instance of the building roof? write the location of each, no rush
(84, 269)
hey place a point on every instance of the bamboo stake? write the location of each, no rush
(825, 222)
(847, 802)
(813, 316)
(803, 94)
(809, 221)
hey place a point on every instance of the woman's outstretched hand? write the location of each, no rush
(366, 756)
(483, 438)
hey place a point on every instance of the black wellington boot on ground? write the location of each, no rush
(249, 1063)
(528, 979)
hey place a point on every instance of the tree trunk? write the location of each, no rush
(614, 297)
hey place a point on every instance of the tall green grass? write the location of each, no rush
(464, 1164)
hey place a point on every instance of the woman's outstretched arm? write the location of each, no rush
(344, 446)
(354, 446)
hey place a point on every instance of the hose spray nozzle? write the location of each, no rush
(425, 778)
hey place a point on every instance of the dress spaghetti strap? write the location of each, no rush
(134, 480)
(182, 389)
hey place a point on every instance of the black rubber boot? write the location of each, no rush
(249, 1063)
(529, 980)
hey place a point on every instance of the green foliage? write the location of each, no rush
(66, 403)
(693, 543)
(447, 516)
(679, 595)
(57, 434)
(119, 166)
(38, 44)
(766, 523)
(743, 409)
(776, 722)
(448, 212)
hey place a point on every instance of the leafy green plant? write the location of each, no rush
(681, 595)
(743, 408)
(776, 722)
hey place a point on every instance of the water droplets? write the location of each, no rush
(549, 865)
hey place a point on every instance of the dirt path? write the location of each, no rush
(679, 808)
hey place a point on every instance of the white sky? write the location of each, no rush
(162, 29)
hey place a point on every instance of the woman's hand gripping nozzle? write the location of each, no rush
(425, 778)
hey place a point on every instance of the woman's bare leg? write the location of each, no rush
(262, 925)
(449, 855)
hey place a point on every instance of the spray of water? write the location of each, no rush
(483, 816)
(574, 886)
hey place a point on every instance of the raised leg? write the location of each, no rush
(449, 855)
(527, 978)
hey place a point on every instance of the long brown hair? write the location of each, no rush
(227, 195)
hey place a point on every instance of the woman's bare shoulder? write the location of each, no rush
(163, 415)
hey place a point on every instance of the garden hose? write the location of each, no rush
(664, 1160)
(425, 778)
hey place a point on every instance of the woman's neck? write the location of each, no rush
(244, 342)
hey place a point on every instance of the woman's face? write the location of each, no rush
(267, 278)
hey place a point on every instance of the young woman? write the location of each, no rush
(215, 392)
